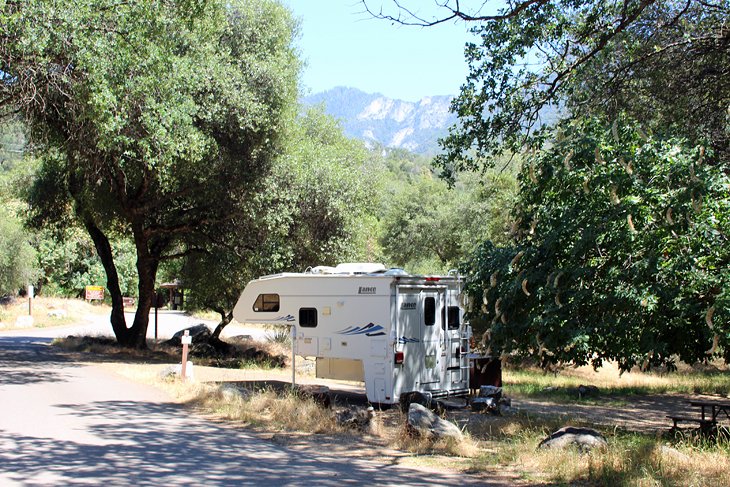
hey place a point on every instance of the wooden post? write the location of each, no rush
(30, 300)
(185, 340)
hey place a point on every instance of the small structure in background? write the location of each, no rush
(176, 294)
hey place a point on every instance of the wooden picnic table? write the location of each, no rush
(709, 413)
(716, 408)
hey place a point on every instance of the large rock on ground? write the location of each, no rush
(585, 439)
(425, 422)
(199, 333)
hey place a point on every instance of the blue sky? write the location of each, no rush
(344, 46)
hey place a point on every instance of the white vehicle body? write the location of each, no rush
(395, 332)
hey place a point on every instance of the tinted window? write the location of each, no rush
(308, 317)
(429, 311)
(454, 317)
(266, 303)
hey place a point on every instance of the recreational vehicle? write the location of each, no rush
(396, 332)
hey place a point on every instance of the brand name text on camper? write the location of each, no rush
(366, 290)
(407, 305)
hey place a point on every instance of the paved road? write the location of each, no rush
(169, 322)
(64, 423)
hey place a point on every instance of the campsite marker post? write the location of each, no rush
(30, 300)
(186, 340)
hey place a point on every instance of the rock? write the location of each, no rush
(356, 419)
(57, 313)
(24, 322)
(232, 393)
(587, 391)
(673, 453)
(424, 422)
(174, 371)
(585, 439)
(200, 333)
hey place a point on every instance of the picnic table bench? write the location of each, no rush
(709, 413)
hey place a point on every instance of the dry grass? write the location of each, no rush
(712, 379)
(43, 310)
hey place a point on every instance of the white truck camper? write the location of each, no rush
(395, 332)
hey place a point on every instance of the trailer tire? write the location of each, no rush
(414, 397)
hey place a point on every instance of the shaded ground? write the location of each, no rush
(74, 424)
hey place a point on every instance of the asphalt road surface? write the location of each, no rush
(65, 423)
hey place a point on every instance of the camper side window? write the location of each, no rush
(453, 317)
(266, 303)
(429, 311)
(307, 317)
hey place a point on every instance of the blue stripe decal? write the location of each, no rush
(370, 330)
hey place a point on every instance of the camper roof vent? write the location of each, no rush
(359, 268)
(321, 269)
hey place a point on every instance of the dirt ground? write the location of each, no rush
(638, 413)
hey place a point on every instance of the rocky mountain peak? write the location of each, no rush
(375, 118)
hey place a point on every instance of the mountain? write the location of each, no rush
(378, 119)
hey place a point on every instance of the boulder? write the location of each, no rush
(587, 391)
(356, 418)
(174, 371)
(424, 422)
(200, 333)
(585, 439)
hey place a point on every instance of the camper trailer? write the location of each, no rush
(396, 332)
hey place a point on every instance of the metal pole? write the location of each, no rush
(293, 356)
(156, 318)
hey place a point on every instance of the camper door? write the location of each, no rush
(431, 303)
(420, 333)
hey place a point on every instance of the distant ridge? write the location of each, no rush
(377, 119)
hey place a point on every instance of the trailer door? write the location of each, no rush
(430, 305)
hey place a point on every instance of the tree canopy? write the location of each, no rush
(666, 63)
(154, 119)
(621, 252)
(315, 208)
(620, 241)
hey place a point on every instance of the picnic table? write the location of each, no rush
(709, 413)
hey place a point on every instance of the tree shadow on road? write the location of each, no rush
(147, 443)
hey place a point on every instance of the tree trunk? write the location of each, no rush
(225, 319)
(104, 249)
(147, 270)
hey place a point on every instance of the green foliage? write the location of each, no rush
(621, 252)
(17, 257)
(429, 227)
(315, 208)
(69, 263)
(151, 119)
(663, 62)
